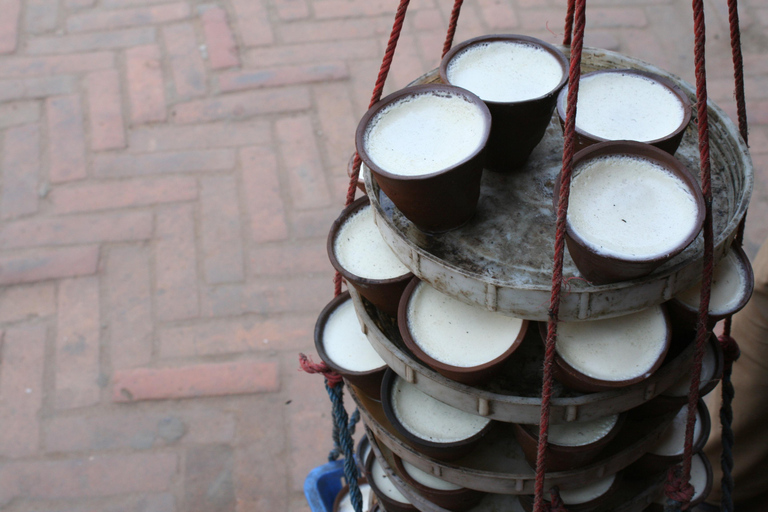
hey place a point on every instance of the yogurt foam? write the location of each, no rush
(345, 505)
(580, 434)
(588, 492)
(683, 384)
(425, 133)
(729, 282)
(505, 71)
(345, 344)
(629, 207)
(384, 484)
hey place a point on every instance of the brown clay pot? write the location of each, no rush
(442, 451)
(388, 503)
(457, 500)
(526, 500)
(517, 126)
(563, 458)
(668, 143)
(600, 268)
(439, 201)
(470, 375)
(369, 382)
(382, 293)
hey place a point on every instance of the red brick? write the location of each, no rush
(111, 40)
(758, 112)
(431, 45)
(163, 163)
(20, 171)
(9, 25)
(222, 300)
(290, 259)
(220, 43)
(296, 138)
(17, 113)
(238, 80)
(122, 4)
(203, 136)
(306, 294)
(364, 73)
(145, 84)
(122, 194)
(40, 15)
(131, 428)
(33, 88)
(208, 483)
(109, 20)
(27, 302)
(221, 236)
(217, 379)
(45, 264)
(79, 229)
(175, 264)
(355, 8)
(22, 67)
(79, 4)
(77, 343)
(335, 30)
(105, 475)
(283, 55)
(253, 22)
(222, 337)
(106, 114)
(144, 502)
(186, 63)
(407, 67)
(338, 122)
(263, 202)
(21, 389)
(129, 313)
(498, 14)
(242, 105)
(66, 139)
(308, 223)
(428, 19)
(290, 10)
(618, 17)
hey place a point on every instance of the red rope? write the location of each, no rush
(452, 26)
(568, 23)
(310, 366)
(557, 274)
(738, 68)
(556, 503)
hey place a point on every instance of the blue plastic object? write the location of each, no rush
(323, 484)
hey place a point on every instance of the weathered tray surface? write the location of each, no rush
(523, 377)
(498, 465)
(632, 496)
(502, 259)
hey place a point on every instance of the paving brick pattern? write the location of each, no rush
(169, 171)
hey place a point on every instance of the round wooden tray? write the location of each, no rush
(498, 465)
(502, 259)
(632, 495)
(513, 397)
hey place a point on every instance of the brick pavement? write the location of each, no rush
(169, 173)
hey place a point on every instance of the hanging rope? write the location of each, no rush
(452, 26)
(557, 273)
(679, 491)
(568, 23)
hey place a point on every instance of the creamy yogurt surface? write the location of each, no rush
(683, 385)
(425, 133)
(729, 283)
(581, 433)
(430, 419)
(361, 250)
(455, 333)
(384, 483)
(614, 349)
(630, 207)
(622, 106)
(587, 492)
(427, 479)
(672, 440)
(505, 71)
(345, 505)
(344, 341)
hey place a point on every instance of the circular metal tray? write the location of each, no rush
(497, 465)
(502, 258)
(513, 397)
(631, 496)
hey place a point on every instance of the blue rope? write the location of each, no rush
(343, 428)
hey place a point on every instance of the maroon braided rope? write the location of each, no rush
(557, 273)
(452, 26)
(568, 23)
(679, 486)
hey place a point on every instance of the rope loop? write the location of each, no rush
(556, 502)
(677, 489)
(309, 366)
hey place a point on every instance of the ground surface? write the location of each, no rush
(170, 169)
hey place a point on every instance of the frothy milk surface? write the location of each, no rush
(683, 384)
(456, 333)
(618, 106)
(345, 344)
(729, 282)
(629, 207)
(672, 440)
(587, 492)
(362, 251)
(505, 71)
(384, 483)
(614, 349)
(580, 434)
(345, 505)
(425, 133)
(428, 480)
(430, 419)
